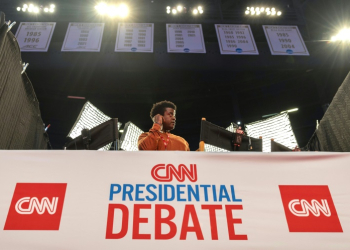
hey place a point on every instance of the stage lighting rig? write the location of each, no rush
(342, 36)
(257, 11)
(120, 10)
(179, 9)
(36, 9)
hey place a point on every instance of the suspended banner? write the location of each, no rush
(236, 39)
(185, 38)
(83, 37)
(135, 37)
(285, 40)
(174, 200)
(35, 37)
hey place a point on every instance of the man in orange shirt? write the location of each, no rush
(159, 136)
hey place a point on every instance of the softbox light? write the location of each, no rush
(277, 127)
(89, 117)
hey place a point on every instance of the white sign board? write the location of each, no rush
(135, 37)
(285, 40)
(83, 37)
(236, 39)
(174, 200)
(185, 38)
(34, 37)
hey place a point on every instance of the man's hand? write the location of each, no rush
(159, 120)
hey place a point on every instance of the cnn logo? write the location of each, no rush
(309, 209)
(166, 173)
(36, 206)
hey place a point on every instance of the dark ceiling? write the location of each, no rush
(222, 88)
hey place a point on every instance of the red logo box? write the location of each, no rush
(36, 206)
(309, 209)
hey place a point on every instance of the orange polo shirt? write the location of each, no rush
(152, 140)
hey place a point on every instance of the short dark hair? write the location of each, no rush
(159, 108)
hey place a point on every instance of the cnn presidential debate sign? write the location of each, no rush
(174, 200)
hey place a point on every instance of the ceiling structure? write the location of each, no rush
(221, 88)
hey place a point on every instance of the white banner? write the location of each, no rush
(174, 200)
(185, 38)
(135, 37)
(35, 37)
(236, 39)
(85, 37)
(285, 40)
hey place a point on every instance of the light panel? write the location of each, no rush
(211, 148)
(36, 9)
(129, 139)
(89, 117)
(262, 11)
(277, 127)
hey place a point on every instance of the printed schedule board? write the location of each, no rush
(135, 37)
(236, 39)
(285, 40)
(34, 37)
(83, 37)
(185, 38)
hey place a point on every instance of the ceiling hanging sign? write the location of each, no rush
(34, 37)
(185, 38)
(86, 37)
(285, 40)
(135, 37)
(236, 39)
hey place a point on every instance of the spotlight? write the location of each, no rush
(112, 11)
(168, 11)
(52, 6)
(279, 13)
(292, 110)
(101, 8)
(31, 5)
(267, 9)
(248, 8)
(195, 12)
(258, 13)
(273, 9)
(179, 8)
(168, 7)
(238, 123)
(18, 8)
(46, 9)
(30, 9)
(247, 12)
(273, 13)
(123, 10)
(25, 6)
(268, 13)
(24, 9)
(200, 11)
(252, 13)
(200, 8)
(36, 10)
(174, 11)
(262, 9)
(51, 10)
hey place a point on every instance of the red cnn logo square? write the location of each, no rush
(309, 209)
(36, 206)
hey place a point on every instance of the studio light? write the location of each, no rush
(181, 10)
(277, 127)
(121, 10)
(36, 9)
(130, 136)
(262, 11)
(291, 110)
(89, 117)
(343, 36)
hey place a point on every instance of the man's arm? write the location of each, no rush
(149, 141)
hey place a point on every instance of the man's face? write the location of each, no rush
(169, 119)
